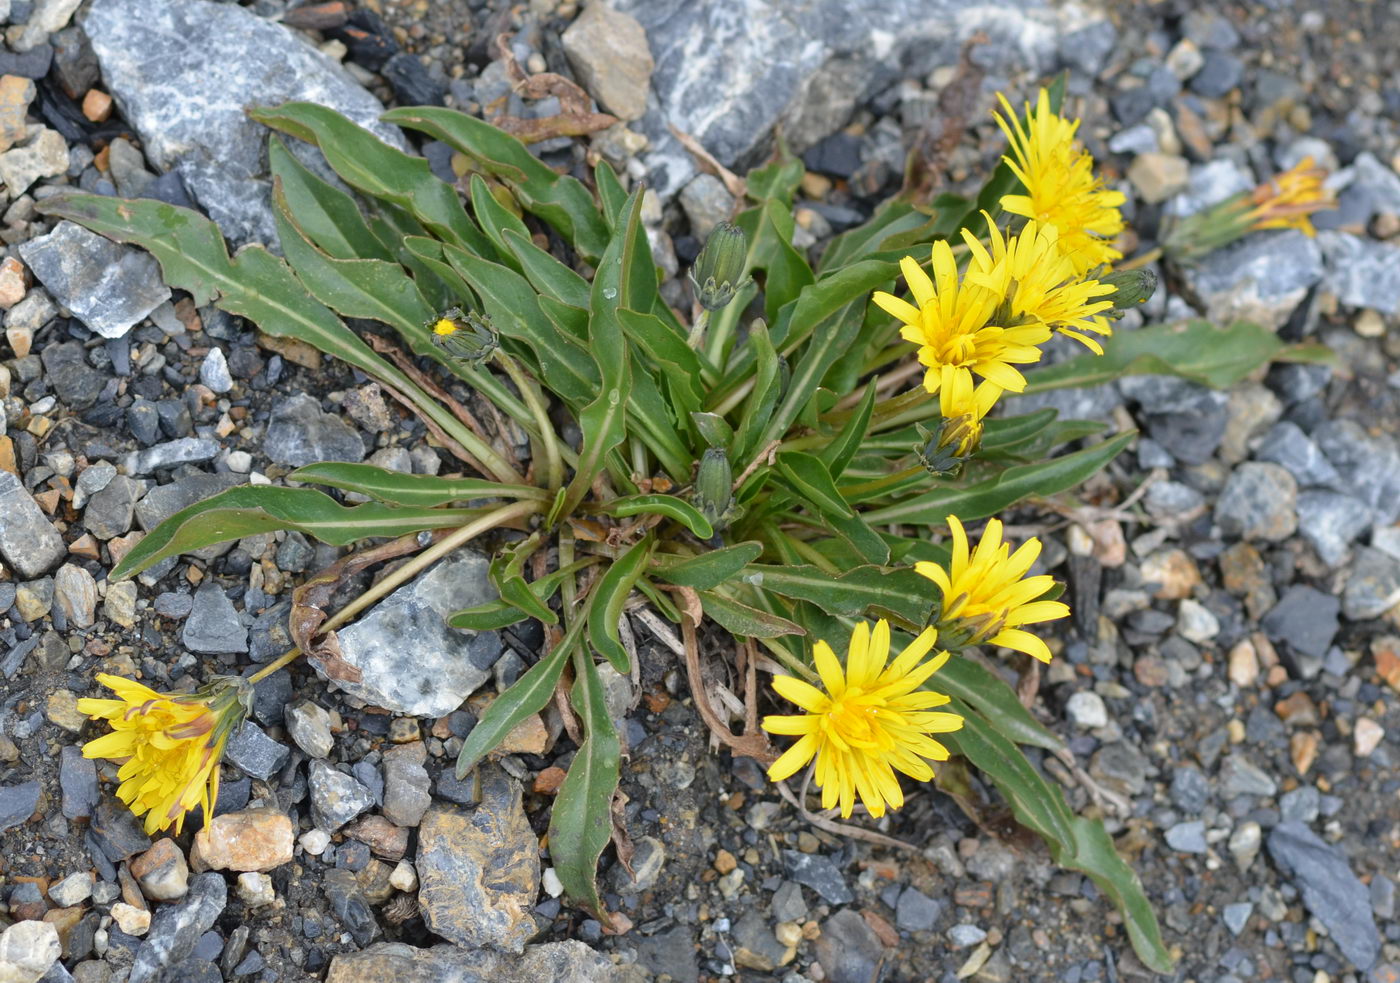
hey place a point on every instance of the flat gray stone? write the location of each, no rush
(299, 433)
(17, 803)
(28, 541)
(176, 928)
(1361, 272)
(183, 73)
(1330, 521)
(1373, 586)
(184, 450)
(570, 961)
(213, 626)
(1261, 278)
(336, 798)
(251, 749)
(728, 71)
(410, 661)
(1334, 895)
(107, 286)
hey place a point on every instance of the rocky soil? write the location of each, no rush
(1228, 682)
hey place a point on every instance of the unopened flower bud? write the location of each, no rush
(718, 273)
(470, 336)
(1132, 288)
(714, 483)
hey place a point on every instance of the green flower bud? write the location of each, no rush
(1133, 287)
(714, 483)
(718, 273)
(470, 336)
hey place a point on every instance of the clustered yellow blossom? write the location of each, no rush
(869, 720)
(987, 596)
(169, 744)
(1285, 201)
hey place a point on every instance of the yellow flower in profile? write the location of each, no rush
(951, 324)
(1286, 201)
(1060, 186)
(963, 407)
(987, 596)
(871, 720)
(1038, 282)
(170, 744)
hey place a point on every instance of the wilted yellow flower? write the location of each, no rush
(170, 744)
(960, 435)
(987, 595)
(1061, 189)
(1284, 202)
(951, 324)
(1038, 282)
(871, 720)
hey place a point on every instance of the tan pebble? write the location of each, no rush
(1367, 736)
(97, 105)
(132, 921)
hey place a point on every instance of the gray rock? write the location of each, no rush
(184, 450)
(706, 202)
(76, 593)
(176, 928)
(349, 905)
(108, 286)
(43, 154)
(1172, 501)
(1330, 521)
(1305, 618)
(479, 871)
(1236, 916)
(1259, 501)
(608, 52)
(310, 727)
(670, 952)
(916, 911)
(1368, 466)
(410, 661)
(1300, 805)
(1086, 709)
(28, 541)
(755, 945)
(72, 890)
(966, 935)
(213, 626)
(1330, 890)
(1240, 776)
(570, 961)
(75, 381)
(1286, 444)
(1381, 184)
(213, 371)
(848, 948)
(1262, 278)
(298, 434)
(17, 803)
(1187, 419)
(1086, 49)
(1361, 272)
(336, 798)
(77, 780)
(257, 754)
(117, 833)
(1187, 837)
(788, 903)
(1373, 586)
(806, 66)
(185, 71)
(110, 511)
(1210, 184)
(647, 864)
(406, 784)
(820, 873)
(1220, 72)
(1190, 790)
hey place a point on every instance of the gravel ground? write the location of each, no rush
(1228, 682)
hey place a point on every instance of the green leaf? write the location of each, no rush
(494, 218)
(807, 477)
(998, 702)
(676, 362)
(251, 509)
(1075, 843)
(611, 194)
(740, 619)
(580, 825)
(609, 596)
(666, 505)
(777, 180)
(837, 454)
(1194, 350)
(984, 498)
(758, 407)
(371, 166)
(368, 288)
(864, 540)
(507, 572)
(545, 273)
(560, 200)
(497, 614)
(398, 488)
(892, 217)
(328, 215)
(708, 570)
(786, 273)
(255, 284)
(529, 694)
(901, 592)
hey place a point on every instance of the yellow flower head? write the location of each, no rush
(871, 720)
(170, 745)
(987, 595)
(1039, 283)
(1286, 201)
(951, 324)
(1061, 189)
